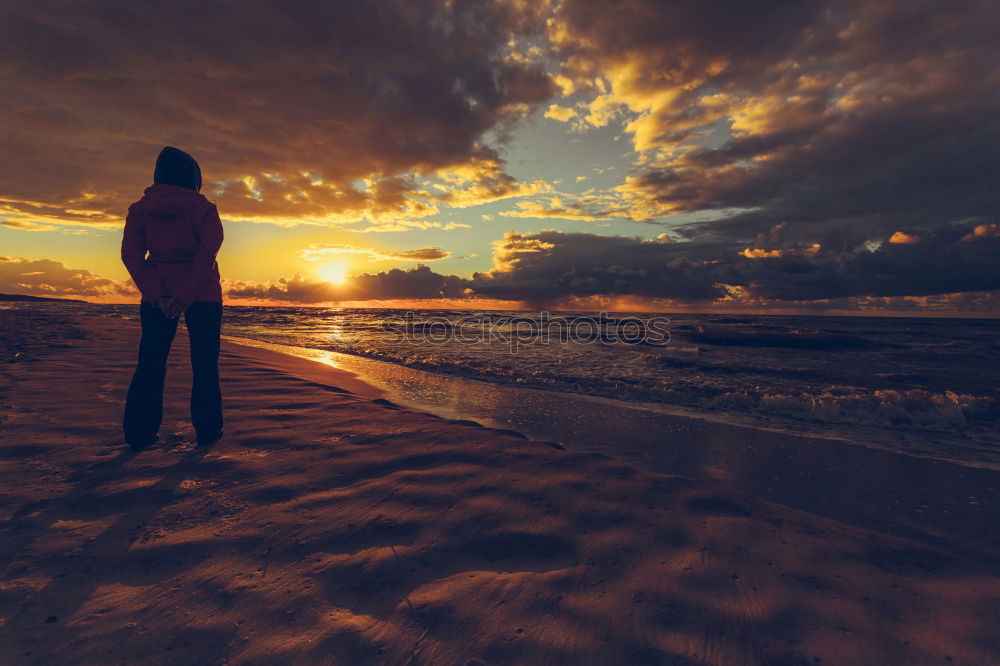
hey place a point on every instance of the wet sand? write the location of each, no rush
(930, 497)
(332, 526)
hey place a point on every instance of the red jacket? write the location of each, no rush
(182, 232)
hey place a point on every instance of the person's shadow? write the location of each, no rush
(74, 579)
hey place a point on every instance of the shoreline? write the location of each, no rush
(937, 502)
(332, 525)
(408, 383)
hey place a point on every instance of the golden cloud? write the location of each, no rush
(318, 252)
(45, 277)
(333, 117)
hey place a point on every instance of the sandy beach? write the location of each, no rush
(330, 525)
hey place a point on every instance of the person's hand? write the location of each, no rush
(170, 308)
(163, 305)
(175, 309)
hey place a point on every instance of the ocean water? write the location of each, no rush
(859, 378)
(915, 375)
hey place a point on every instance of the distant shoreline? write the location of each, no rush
(24, 298)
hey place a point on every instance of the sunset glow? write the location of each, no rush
(755, 158)
(334, 272)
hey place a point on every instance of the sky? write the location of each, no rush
(777, 156)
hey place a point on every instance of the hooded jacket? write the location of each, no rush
(181, 232)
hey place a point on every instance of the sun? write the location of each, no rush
(333, 271)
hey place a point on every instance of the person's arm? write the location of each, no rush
(134, 257)
(209, 241)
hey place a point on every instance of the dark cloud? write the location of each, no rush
(949, 266)
(415, 283)
(547, 266)
(543, 267)
(822, 114)
(288, 106)
(45, 277)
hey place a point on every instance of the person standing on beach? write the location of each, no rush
(172, 236)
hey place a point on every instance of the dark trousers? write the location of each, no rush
(144, 405)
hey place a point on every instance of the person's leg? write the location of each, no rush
(144, 404)
(204, 322)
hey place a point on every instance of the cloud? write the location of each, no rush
(903, 238)
(953, 266)
(320, 251)
(26, 226)
(45, 277)
(587, 207)
(481, 180)
(983, 231)
(560, 113)
(416, 283)
(862, 116)
(547, 266)
(311, 112)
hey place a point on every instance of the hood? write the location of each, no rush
(164, 200)
(175, 167)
